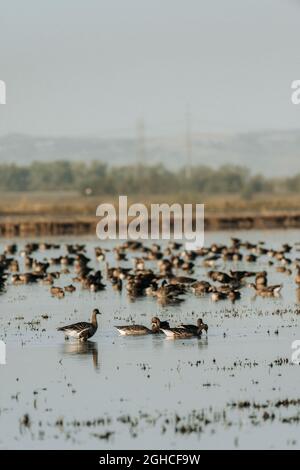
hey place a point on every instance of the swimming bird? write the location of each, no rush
(201, 287)
(70, 288)
(135, 330)
(267, 291)
(57, 292)
(297, 278)
(195, 329)
(82, 330)
(184, 280)
(179, 332)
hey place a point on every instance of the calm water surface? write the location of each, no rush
(151, 392)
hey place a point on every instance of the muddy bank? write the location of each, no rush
(38, 225)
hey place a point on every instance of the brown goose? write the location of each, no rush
(135, 330)
(180, 332)
(297, 278)
(201, 287)
(267, 291)
(82, 330)
(57, 292)
(70, 288)
(196, 329)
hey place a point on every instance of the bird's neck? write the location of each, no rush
(94, 319)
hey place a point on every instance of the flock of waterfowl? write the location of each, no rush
(166, 283)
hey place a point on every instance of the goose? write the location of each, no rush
(261, 279)
(232, 256)
(100, 253)
(283, 269)
(11, 249)
(175, 245)
(139, 263)
(233, 295)
(82, 330)
(239, 275)
(201, 287)
(25, 278)
(187, 266)
(267, 291)
(297, 278)
(167, 291)
(250, 258)
(196, 329)
(182, 332)
(135, 330)
(210, 262)
(117, 284)
(70, 288)
(174, 280)
(57, 292)
(217, 295)
(47, 281)
(14, 266)
(219, 276)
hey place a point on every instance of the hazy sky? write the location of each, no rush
(92, 67)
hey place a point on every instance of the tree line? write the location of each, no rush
(100, 178)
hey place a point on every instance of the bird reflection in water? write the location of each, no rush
(83, 348)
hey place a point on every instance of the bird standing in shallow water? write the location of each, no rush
(82, 330)
(186, 331)
(267, 291)
(135, 330)
(196, 329)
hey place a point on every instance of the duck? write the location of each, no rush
(81, 330)
(135, 330)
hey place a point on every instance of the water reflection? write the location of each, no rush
(202, 341)
(83, 348)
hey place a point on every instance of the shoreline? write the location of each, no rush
(34, 225)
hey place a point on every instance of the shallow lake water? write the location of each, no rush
(226, 390)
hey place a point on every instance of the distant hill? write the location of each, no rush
(273, 153)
